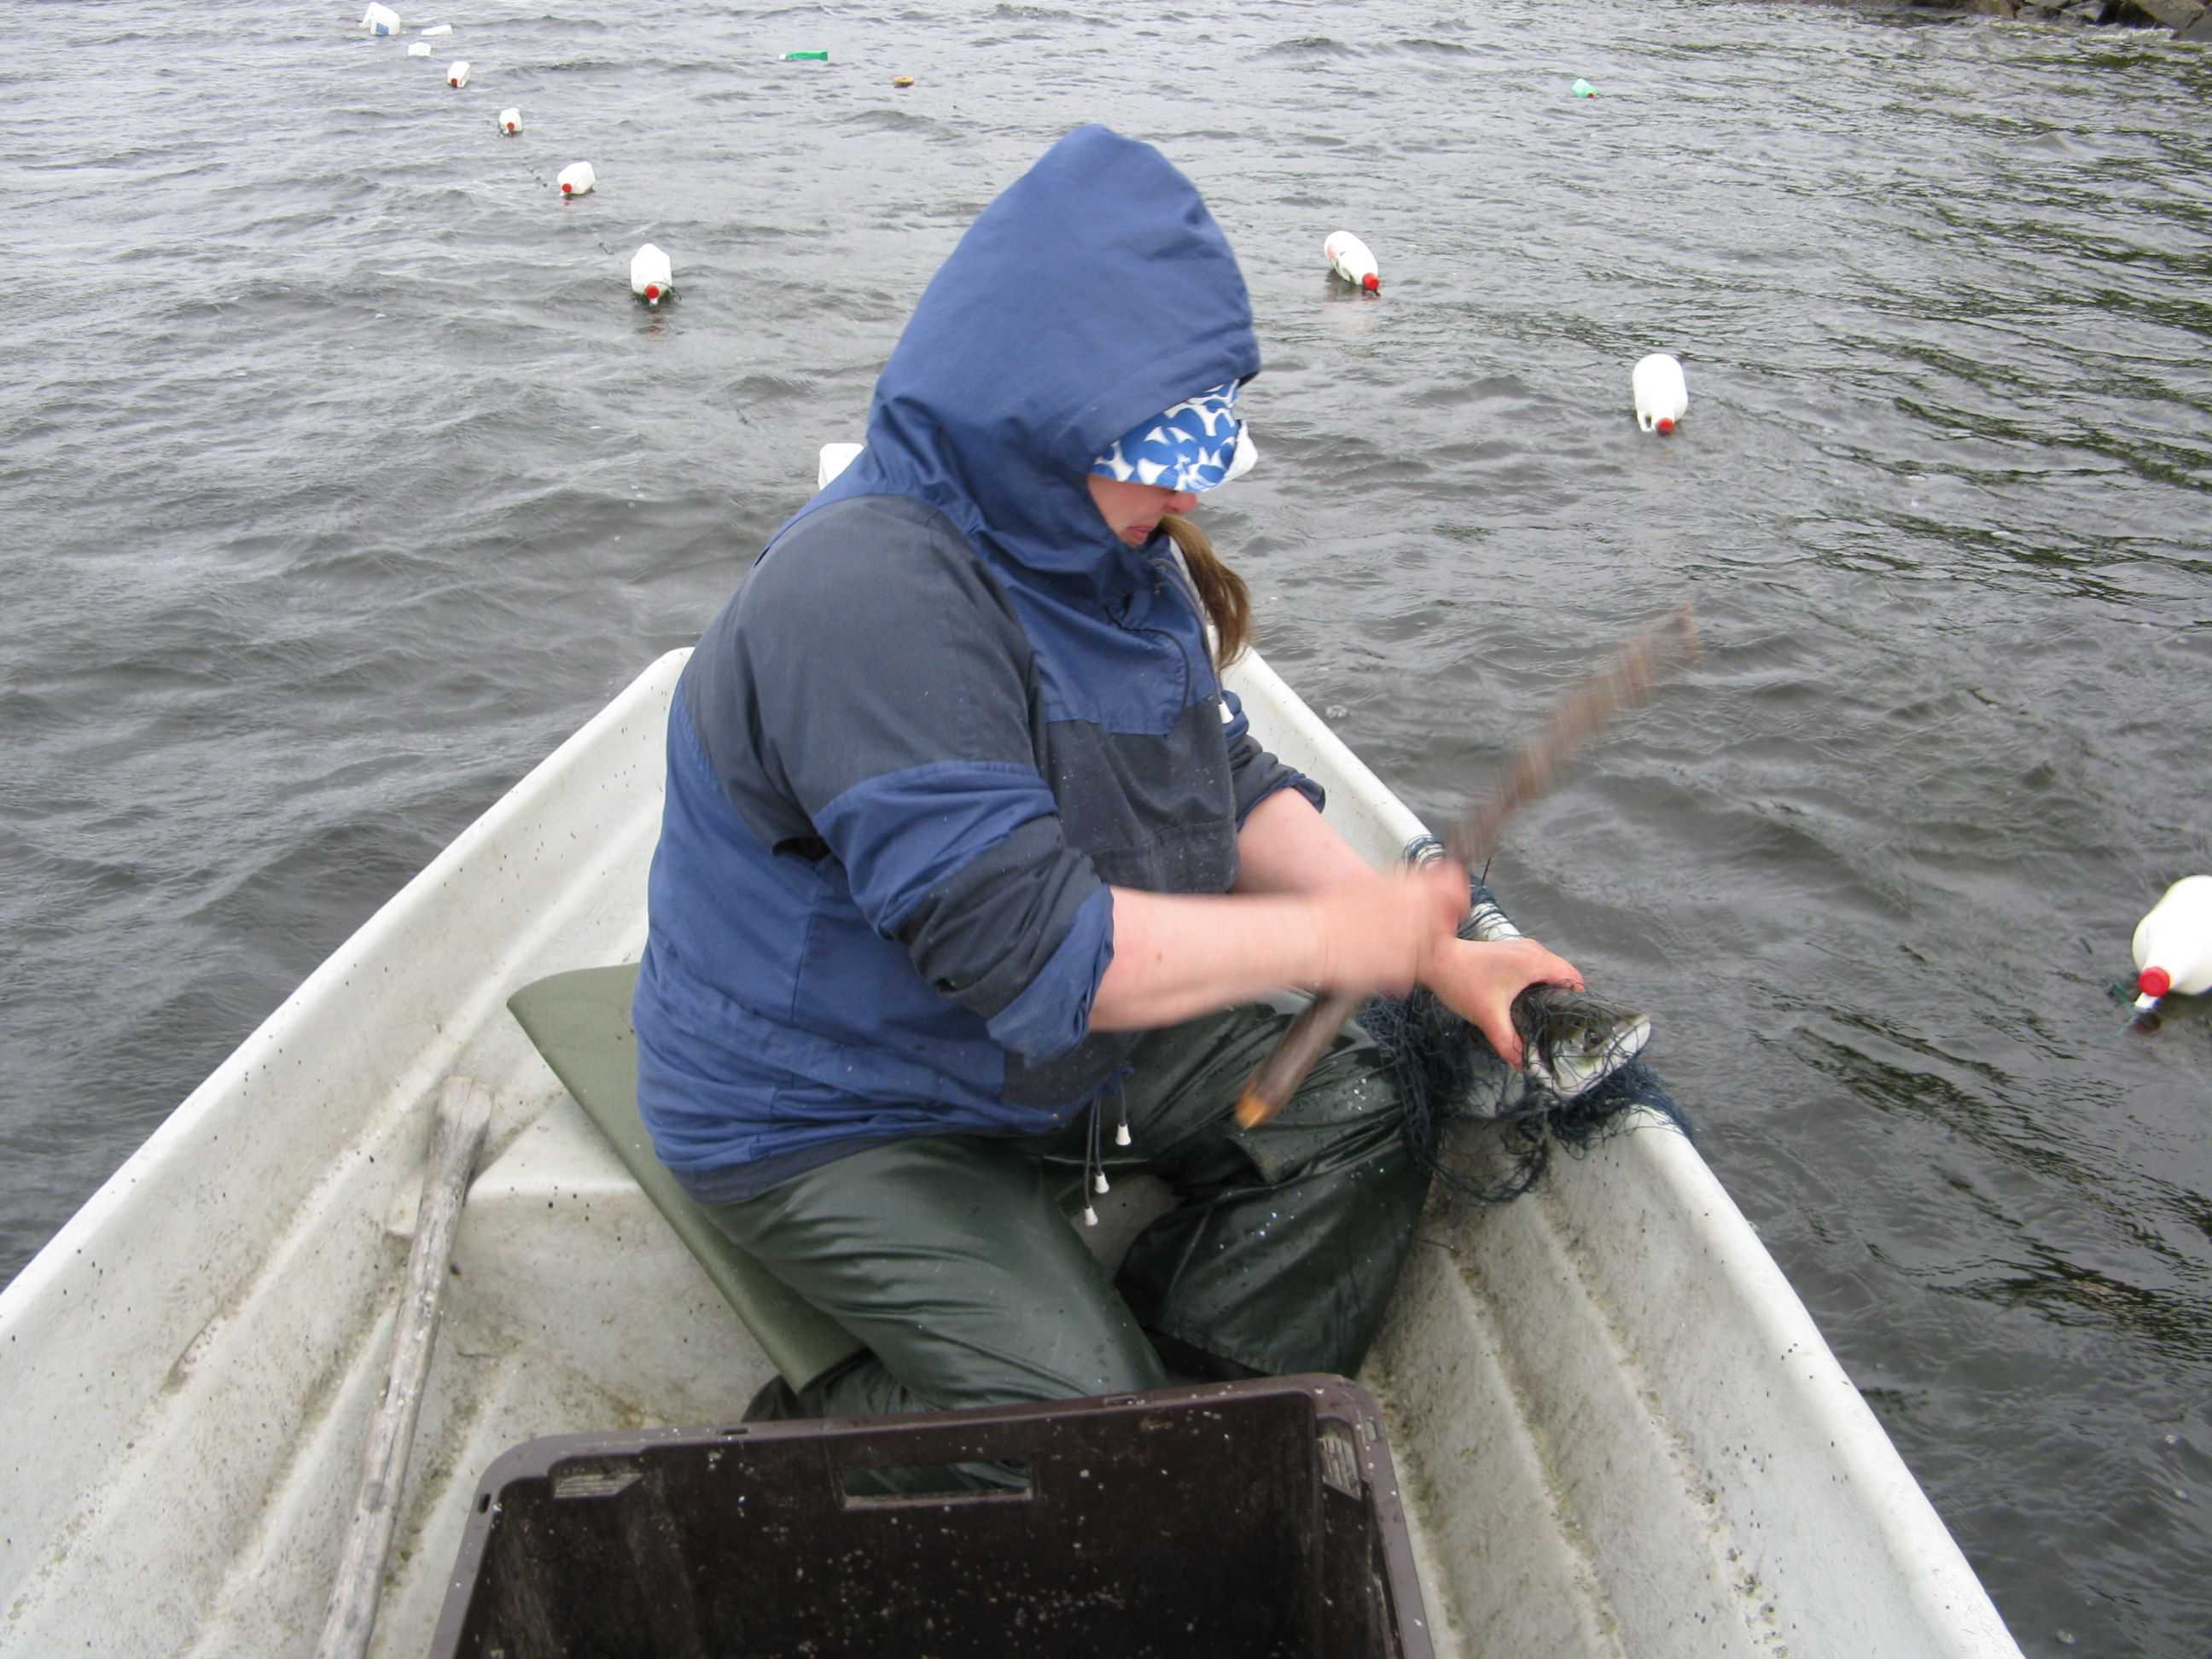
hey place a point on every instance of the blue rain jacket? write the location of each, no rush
(947, 708)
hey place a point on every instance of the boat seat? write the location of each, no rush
(580, 1022)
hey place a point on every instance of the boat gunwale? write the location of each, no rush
(1936, 1574)
(328, 979)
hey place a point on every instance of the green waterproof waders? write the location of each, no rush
(950, 1259)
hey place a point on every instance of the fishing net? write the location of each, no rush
(1486, 1133)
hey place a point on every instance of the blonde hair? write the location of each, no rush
(1222, 596)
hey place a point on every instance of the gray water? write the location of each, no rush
(340, 477)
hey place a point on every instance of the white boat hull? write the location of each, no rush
(1620, 1431)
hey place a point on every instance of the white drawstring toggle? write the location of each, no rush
(1121, 1134)
(1089, 1216)
(1103, 1187)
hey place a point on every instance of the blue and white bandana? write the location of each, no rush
(1199, 444)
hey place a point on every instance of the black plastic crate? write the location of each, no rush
(1240, 1521)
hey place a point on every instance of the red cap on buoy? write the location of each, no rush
(1665, 423)
(565, 188)
(652, 291)
(2154, 981)
(1371, 282)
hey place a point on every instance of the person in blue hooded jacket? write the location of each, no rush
(972, 878)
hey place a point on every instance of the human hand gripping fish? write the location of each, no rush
(1623, 681)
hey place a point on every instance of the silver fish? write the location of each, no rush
(1572, 1041)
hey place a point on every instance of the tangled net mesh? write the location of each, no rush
(1484, 1132)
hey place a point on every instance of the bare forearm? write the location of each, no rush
(1177, 956)
(1307, 912)
(1286, 846)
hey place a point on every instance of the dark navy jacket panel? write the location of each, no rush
(939, 669)
(1130, 663)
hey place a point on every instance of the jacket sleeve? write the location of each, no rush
(891, 686)
(1253, 774)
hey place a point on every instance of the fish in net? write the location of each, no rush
(1486, 1133)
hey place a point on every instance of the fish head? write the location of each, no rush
(1573, 1040)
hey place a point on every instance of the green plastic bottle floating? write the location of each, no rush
(807, 58)
(1583, 89)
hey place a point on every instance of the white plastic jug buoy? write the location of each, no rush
(1660, 398)
(439, 28)
(651, 277)
(2173, 944)
(381, 19)
(1246, 458)
(1348, 257)
(576, 178)
(510, 121)
(418, 48)
(457, 73)
(836, 458)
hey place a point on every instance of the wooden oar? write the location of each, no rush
(464, 1113)
(1622, 682)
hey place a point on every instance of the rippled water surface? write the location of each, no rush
(340, 477)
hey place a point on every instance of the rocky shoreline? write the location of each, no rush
(2187, 20)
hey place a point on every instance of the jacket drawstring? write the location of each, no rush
(1094, 1168)
(1094, 1158)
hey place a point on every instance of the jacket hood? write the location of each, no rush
(1095, 291)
